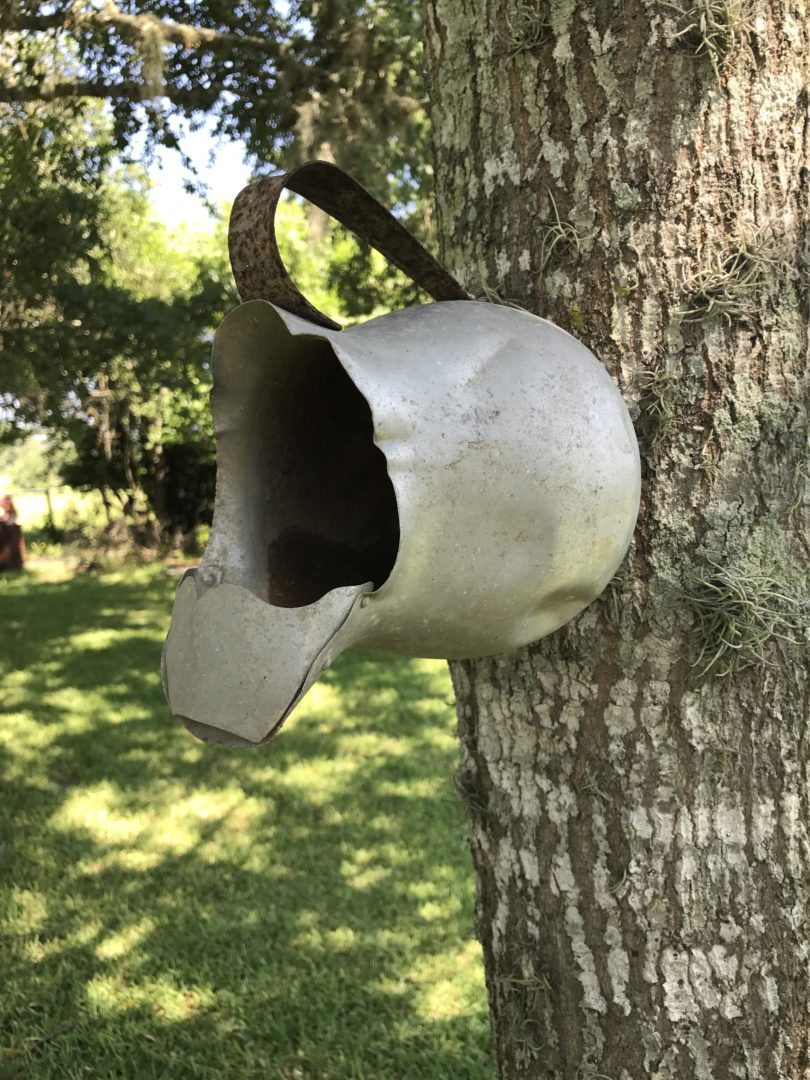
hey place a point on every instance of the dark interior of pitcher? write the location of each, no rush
(330, 514)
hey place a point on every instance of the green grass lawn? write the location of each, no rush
(173, 910)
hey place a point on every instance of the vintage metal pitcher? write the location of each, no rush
(451, 480)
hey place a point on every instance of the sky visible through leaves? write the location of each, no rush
(220, 164)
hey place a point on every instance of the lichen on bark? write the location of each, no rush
(639, 825)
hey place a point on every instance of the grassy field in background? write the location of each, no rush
(171, 910)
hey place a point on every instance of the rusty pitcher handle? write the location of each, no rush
(257, 264)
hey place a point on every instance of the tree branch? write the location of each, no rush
(134, 91)
(139, 27)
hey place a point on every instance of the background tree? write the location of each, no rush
(295, 81)
(106, 325)
(108, 316)
(53, 160)
(637, 784)
(105, 329)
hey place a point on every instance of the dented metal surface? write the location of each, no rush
(514, 489)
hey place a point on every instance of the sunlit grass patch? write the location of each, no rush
(118, 944)
(170, 910)
(442, 993)
(173, 823)
(167, 1002)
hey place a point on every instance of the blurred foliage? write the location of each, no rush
(294, 80)
(106, 316)
(52, 165)
(34, 462)
(53, 158)
(340, 275)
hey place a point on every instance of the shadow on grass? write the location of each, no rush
(175, 910)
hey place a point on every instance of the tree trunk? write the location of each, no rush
(637, 784)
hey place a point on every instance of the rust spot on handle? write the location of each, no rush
(256, 261)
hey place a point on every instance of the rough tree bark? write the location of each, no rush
(637, 784)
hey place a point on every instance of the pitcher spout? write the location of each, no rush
(234, 666)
